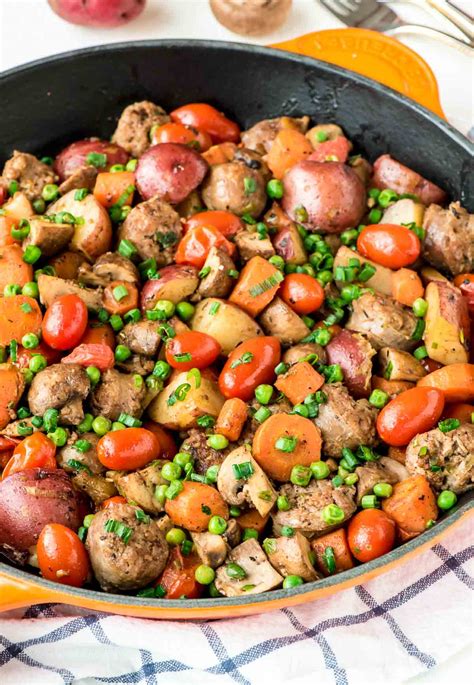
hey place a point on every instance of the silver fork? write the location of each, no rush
(378, 16)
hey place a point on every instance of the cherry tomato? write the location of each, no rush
(166, 440)
(185, 135)
(128, 449)
(336, 150)
(192, 350)
(178, 577)
(61, 556)
(24, 355)
(194, 247)
(302, 293)
(371, 533)
(250, 364)
(389, 245)
(465, 282)
(7, 444)
(413, 411)
(226, 223)
(204, 117)
(117, 499)
(102, 334)
(461, 410)
(35, 451)
(64, 322)
(97, 355)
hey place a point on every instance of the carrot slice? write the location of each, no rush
(299, 381)
(456, 381)
(99, 335)
(220, 154)
(461, 411)
(282, 432)
(6, 225)
(231, 419)
(12, 384)
(412, 505)
(397, 453)
(194, 506)
(111, 187)
(337, 540)
(392, 388)
(252, 519)
(406, 286)
(257, 286)
(19, 315)
(12, 267)
(289, 147)
(119, 297)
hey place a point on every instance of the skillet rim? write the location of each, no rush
(358, 571)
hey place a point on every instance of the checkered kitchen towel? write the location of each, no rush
(386, 631)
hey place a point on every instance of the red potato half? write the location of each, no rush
(31, 499)
(100, 13)
(388, 173)
(75, 155)
(176, 283)
(170, 171)
(353, 354)
(323, 196)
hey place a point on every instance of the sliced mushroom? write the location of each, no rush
(252, 245)
(233, 533)
(255, 490)
(50, 237)
(370, 475)
(51, 287)
(62, 387)
(395, 468)
(139, 487)
(218, 282)
(260, 575)
(96, 487)
(88, 459)
(398, 365)
(290, 556)
(110, 266)
(280, 320)
(212, 549)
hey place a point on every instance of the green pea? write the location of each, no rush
(383, 489)
(369, 502)
(282, 503)
(300, 475)
(292, 581)
(122, 353)
(249, 534)
(185, 310)
(263, 393)
(235, 511)
(204, 574)
(332, 514)
(374, 216)
(30, 289)
(11, 289)
(118, 426)
(50, 192)
(320, 470)
(217, 525)
(301, 410)
(235, 571)
(39, 206)
(171, 471)
(217, 442)
(447, 499)
(182, 458)
(59, 437)
(175, 536)
(37, 363)
(275, 189)
(101, 425)
(160, 493)
(213, 591)
(93, 374)
(420, 307)
(166, 308)
(386, 197)
(212, 473)
(278, 262)
(86, 424)
(287, 531)
(378, 398)
(324, 277)
(351, 479)
(162, 370)
(30, 341)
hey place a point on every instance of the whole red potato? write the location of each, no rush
(103, 13)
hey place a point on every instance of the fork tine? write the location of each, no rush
(336, 7)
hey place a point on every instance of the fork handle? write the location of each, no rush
(417, 30)
(451, 13)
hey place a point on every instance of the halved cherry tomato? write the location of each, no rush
(35, 451)
(465, 282)
(61, 556)
(100, 356)
(389, 245)
(64, 322)
(111, 188)
(178, 133)
(204, 117)
(166, 440)
(371, 533)
(119, 297)
(6, 225)
(128, 449)
(226, 223)
(336, 150)
(24, 355)
(413, 411)
(101, 334)
(250, 364)
(195, 245)
(116, 499)
(178, 577)
(302, 293)
(461, 410)
(192, 349)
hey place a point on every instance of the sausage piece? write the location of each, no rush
(135, 125)
(389, 173)
(30, 174)
(449, 240)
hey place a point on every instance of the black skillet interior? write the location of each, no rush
(47, 104)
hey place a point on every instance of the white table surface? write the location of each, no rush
(29, 30)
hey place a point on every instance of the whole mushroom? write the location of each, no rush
(251, 17)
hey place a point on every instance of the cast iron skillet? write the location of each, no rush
(52, 102)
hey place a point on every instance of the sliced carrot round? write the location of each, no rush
(19, 315)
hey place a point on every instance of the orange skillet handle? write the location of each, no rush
(375, 55)
(16, 593)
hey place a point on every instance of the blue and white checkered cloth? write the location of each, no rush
(392, 628)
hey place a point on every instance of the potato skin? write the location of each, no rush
(171, 171)
(447, 329)
(31, 499)
(177, 283)
(74, 156)
(389, 173)
(331, 193)
(353, 353)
